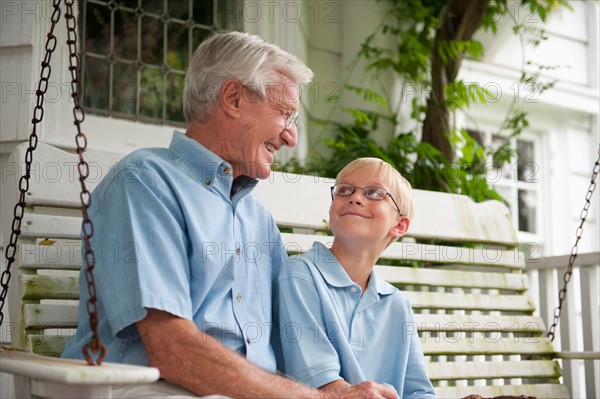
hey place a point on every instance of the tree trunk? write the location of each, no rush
(459, 20)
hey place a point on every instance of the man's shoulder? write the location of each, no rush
(145, 159)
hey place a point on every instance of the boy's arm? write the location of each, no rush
(309, 339)
(417, 384)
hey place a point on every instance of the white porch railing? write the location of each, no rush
(577, 336)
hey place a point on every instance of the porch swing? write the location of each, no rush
(469, 303)
(52, 377)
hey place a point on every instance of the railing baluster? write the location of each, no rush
(579, 329)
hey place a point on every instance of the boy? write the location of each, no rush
(340, 323)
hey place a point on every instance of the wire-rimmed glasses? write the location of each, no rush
(372, 193)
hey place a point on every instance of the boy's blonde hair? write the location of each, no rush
(399, 187)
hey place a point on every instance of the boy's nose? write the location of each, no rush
(356, 197)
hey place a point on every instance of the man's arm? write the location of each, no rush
(337, 384)
(196, 361)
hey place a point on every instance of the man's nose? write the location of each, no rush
(290, 136)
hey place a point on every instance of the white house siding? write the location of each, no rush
(564, 118)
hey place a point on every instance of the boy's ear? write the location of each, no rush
(231, 96)
(401, 227)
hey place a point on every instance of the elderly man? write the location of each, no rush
(186, 257)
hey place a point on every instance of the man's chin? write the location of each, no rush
(263, 174)
(256, 171)
(260, 173)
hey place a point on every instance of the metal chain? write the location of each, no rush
(95, 345)
(38, 115)
(567, 276)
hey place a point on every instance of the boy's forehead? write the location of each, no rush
(364, 177)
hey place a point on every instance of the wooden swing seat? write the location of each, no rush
(475, 319)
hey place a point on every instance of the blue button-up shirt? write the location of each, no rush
(328, 331)
(168, 235)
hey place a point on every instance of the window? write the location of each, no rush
(134, 53)
(527, 193)
(518, 182)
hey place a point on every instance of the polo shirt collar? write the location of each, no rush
(330, 268)
(335, 275)
(379, 285)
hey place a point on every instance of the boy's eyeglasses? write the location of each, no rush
(292, 120)
(372, 193)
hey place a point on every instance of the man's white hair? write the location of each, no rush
(236, 55)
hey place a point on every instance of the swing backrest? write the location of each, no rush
(460, 267)
(44, 287)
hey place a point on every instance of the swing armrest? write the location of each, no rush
(76, 372)
(579, 355)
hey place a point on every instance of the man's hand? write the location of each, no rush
(367, 389)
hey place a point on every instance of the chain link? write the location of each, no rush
(95, 346)
(38, 115)
(578, 233)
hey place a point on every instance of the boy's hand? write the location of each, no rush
(367, 389)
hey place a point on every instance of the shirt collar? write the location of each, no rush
(380, 286)
(330, 268)
(335, 275)
(212, 169)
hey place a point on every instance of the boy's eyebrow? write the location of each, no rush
(370, 184)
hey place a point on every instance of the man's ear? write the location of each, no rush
(230, 97)
(401, 227)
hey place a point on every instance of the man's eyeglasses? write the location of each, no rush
(292, 120)
(372, 193)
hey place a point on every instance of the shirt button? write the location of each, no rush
(239, 297)
(207, 181)
(237, 251)
(227, 170)
(248, 341)
(353, 289)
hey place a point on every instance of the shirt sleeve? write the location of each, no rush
(307, 353)
(141, 248)
(417, 384)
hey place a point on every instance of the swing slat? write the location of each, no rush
(490, 370)
(488, 346)
(520, 324)
(488, 256)
(461, 301)
(554, 391)
(45, 315)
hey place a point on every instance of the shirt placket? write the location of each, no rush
(356, 328)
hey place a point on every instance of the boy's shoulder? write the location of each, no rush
(318, 263)
(300, 264)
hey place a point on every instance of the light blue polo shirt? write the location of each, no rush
(329, 332)
(168, 236)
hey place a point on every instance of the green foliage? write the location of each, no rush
(455, 49)
(460, 95)
(408, 32)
